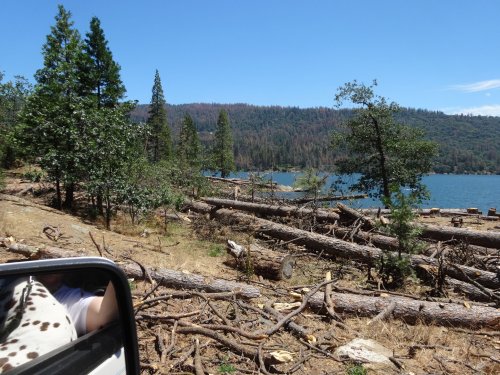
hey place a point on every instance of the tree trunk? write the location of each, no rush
(108, 213)
(100, 206)
(69, 197)
(273, 210)
(58, 194)
(412, 311)
(329, 199)
(166, 277)
(489, 239)
(347, 250)
(180, 280)
(350, 215)
(470, 291)
(378, 240)
(264, 262)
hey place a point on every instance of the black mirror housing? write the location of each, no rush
(119, 336)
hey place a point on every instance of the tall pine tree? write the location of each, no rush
(100, 80)
(54, 115)
(222, 152)
(189, 149)
(159, 143)
(100, 73)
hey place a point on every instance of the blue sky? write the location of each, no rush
(432, 54)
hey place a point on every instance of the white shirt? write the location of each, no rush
(77, 303)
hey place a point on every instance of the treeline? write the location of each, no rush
(290, 137)
(73, 128)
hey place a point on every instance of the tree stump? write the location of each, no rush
(264, 262)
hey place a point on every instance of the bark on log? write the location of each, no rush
(361, 237)
(489, 239)
(347, 250)
(352, 215)
(412, 311)
(180, 280)
(199, 207)
(329, 199)
(470, 291)
(239, 181)
(273, 210)
(166, 277)
(264, 262)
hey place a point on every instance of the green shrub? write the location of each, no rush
(215, 250)
(394, 269)
(33, 175)
(226, 368)
(356, 370)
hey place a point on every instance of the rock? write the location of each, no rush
(365, 351)
(80, 228)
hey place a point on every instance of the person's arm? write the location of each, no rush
(102, 310)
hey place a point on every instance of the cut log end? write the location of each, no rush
(287, 265)
(264, 262)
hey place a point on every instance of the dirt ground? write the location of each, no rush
(420, 348)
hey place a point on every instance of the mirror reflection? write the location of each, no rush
(40, 313)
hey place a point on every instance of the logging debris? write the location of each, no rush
(170, 321)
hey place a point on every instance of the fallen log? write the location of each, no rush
(347, 250)
(488, 262)
(489, 239)
(273, 210)
(361, 237)
(199, 207)
(411, 311)
(470, 291)
(239, 181)
(166, 277)
(264, 262)
(351, 215)
(329, 198)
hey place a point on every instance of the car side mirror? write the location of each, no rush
(44, 303)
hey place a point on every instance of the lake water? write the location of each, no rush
(447, 191)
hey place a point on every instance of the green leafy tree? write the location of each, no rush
(159, 143)
(135, 194)
(100, 73)
(54, 116)
(222, 152)
(13, 96)
(164, 196)
(111, 148)
(384, 152)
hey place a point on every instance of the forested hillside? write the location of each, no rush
(287, 137)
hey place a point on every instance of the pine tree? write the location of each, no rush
(54, 115)
(222, 152)
(159, 144)
(100, 80)
(100, 73)
(189, 149)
